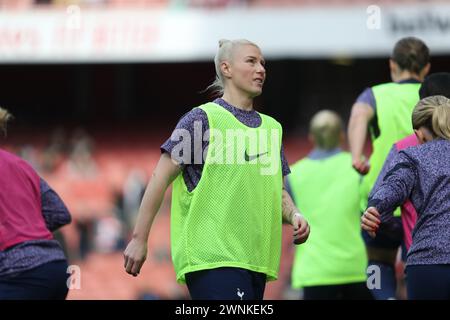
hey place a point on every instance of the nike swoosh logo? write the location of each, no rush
(253, 157)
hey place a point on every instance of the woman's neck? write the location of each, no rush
(406, 75)
(238, 101)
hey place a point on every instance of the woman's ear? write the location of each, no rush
(425, 71)
(393, 66)
(419, 135)
(225, 67)
(423, 135)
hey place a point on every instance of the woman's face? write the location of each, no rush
(246, 70)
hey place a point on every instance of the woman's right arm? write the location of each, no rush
(164, 174)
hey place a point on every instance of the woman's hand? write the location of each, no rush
(370, 221)
(301, 228)
(361, 165)
(135, 255)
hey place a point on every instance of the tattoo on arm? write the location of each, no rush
(288, 207)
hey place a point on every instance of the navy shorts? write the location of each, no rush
(45, 282)
(428, 282)
(349, 291)
(226, 284)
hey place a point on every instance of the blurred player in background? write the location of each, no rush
(226, 216)
(332, 265)
(386, 109)
(422, 174)
(32, 263)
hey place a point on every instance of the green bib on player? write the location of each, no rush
(327, 193)
(395, 103)
(233, 216)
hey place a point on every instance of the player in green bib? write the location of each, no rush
(332, 264)
(385, 111)
(228, 197)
